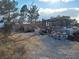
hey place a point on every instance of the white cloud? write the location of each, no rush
(76, 17)
(77, 9)
(53, 1)
(48, 11)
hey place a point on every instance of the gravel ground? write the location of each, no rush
(56, 49)
(51, 48)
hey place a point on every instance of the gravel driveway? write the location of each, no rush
(52, 49)
(56, 49)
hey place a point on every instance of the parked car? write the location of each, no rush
(74, 36)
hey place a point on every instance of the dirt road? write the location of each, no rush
(49, 48)
(56, 49)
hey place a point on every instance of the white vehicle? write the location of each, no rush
(1, 25)
(1, 22)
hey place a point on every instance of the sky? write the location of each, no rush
(53, 8)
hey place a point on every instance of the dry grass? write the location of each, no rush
(1, 36)
(75, 46)
(18, 47)
(12, 52)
